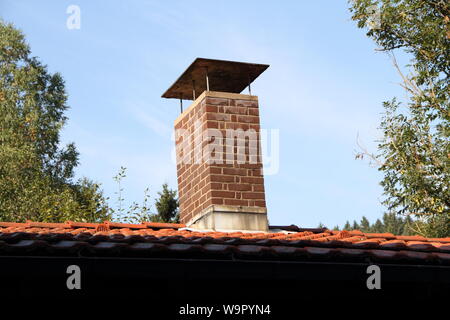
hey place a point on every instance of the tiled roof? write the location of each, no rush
(176, 241)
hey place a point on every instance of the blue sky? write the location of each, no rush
(324, 86)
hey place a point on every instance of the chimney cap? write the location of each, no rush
(223, 75)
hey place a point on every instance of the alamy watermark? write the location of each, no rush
(374, 280)
(73, 21)
(230, 146)
(74, 280)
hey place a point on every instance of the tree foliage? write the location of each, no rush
(136, 213)
(167, 204)
(36, 173)
(390, 222)
(414, 153)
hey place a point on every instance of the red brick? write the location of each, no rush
(216, 186)
(216, 101)
(222, 178)
(235, 110)
(215, 170)
(235, 126)
(258, 188)
(240, 187)
(234, 171)
(260, 203)
(223, 194)
(211, 125)
(252, 180)
(217, 201)
(218, 116)
(209, 108)
(246, 103)
(234, 202)
(248, 119)
(253, 195)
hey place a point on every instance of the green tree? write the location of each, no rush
(167, 204)
(347, 226)
(414, 153)
(377, 227)
(365, 225)
(391, 223)
(36, 173)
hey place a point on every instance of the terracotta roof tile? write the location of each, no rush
(351, 252)
(394, 244)
(442, 246)
(319, 251)
(410, 238)
(380, 235)
(153, 239)
(420, 245)
(385, 254)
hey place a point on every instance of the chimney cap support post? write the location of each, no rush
(181, 103)
(207, 79)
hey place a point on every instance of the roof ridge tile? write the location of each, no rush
(164, 225)
(13, 224)
(124, 225)
(62, 225)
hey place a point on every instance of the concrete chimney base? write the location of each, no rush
(220, 217)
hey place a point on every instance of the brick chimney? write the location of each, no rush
(219, 165)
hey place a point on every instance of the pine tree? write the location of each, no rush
(167, 205)
(365, 225)
(347, 226)
(377, 227)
